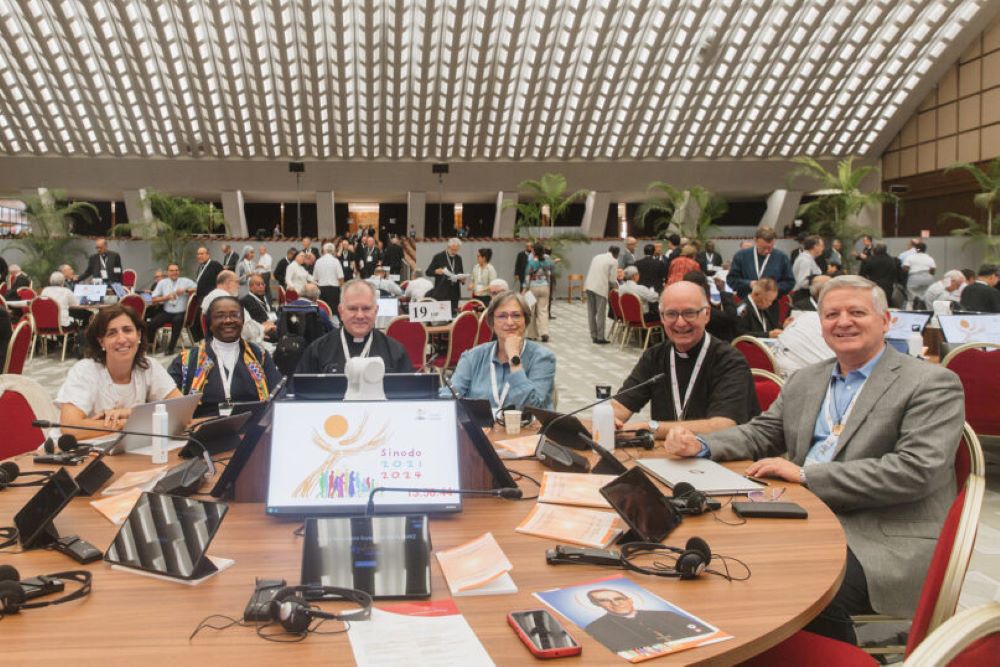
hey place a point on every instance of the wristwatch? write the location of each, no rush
(653, 425)
(515, 360)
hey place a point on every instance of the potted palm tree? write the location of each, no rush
(547, 202)
(49, 241)
(176, 221)
(689, 213)
(980, 234)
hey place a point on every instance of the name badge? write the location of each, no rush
(104, 274)
(225, 409)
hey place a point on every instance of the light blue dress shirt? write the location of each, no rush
(167, 286)
(530, 386)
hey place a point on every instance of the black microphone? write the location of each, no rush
(510, 493)
(45, 423)
(547, 427)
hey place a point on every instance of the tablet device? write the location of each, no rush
(501, 476)
(384, 556)
(478, 410)
(648, 512)
(568, 432)
(168, 535)
(327, 456)
(34, 520)
(221, 434)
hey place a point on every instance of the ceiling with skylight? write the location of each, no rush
(476, 80)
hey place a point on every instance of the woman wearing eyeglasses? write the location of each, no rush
(224, 368)
(509, 371)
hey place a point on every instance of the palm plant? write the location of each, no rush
(176, 220)
(49, 241)
(549, 192)
(690, 213)
(833, 214)
(989, 185)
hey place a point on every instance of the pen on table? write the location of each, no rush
(756, 479)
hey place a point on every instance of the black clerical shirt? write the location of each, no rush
(326, 353)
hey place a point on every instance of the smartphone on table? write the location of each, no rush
(544, 636)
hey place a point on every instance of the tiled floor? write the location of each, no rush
(583, 365)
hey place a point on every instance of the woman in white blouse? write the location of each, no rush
(482, 274)
(100, 391)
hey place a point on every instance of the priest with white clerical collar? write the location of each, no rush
(707, 384)
(357, 336)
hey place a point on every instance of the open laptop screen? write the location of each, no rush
(89, 294)
(959, 329)
(388, 306)
(903, 323)
(327, 456)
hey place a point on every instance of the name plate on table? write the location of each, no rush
(430, 311)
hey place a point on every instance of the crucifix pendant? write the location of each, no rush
(837, 429)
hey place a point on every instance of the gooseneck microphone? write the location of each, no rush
(510, 493)
(45, 423)
(564, 457)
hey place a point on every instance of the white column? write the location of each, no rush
(503, 223)
(416, 205)
(781, 208)
(140, 214)
(326, 221)
(595, 216)
(232, 211)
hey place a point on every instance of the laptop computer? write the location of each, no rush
(179, 413)
(705, 475)
(397, 386)
(89, 295)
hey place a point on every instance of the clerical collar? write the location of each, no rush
(693, 352)
(225, 351)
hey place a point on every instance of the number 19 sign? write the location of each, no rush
(430, 311)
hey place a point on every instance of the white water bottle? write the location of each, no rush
(603, 420)
(160, 429)
(915, 344)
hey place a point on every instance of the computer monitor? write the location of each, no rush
(388, 306)
(966, 328)
(333, 386)
(327, 456)
(89, 294)
(904, 323)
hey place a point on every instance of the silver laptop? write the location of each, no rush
(705, 475)
(179, 413)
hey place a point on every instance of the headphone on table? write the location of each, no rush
(293, 612)
(9, 471)
(690, 563)
(689, 500)
(8, 538)
(12, 598)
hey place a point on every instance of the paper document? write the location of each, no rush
(529, 299)
(479, 567)
(514, 448)
(144, 480)
(576, 525)
(417, 633)
(572, 488)
(116, 508)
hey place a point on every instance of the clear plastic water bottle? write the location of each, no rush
(603, 420)
(160, 429)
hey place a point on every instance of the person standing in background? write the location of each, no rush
(104, 264)
(627, 256)
(263, 269)
(521, 266)
(483, 274)
(345, 256)
(245, 268)
(539, 269)
(229, 257)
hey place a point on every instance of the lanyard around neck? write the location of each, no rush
(757, 265)
(681, 407)
(837, 428)
(498, 396)
(760, 318)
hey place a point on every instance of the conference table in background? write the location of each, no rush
(796, 568)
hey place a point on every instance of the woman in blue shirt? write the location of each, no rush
(539, 279)
(509, 371)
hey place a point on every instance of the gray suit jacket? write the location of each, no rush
(892, 478)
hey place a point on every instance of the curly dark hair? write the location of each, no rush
(98, 327)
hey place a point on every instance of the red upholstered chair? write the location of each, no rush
(461, 337)
(282, 297)
(325, 307)
(45, 313)
(968, 639)
(136, 303)
(485, 333)
(413, 336)
(21, 401)
(784, 308)
(978, 367)
(938, 598)
(18, 347)
(291, 295)
(26, 294)
(632, 314)
(128, 279)
(618, 321)
(473, 306)
(756, 354)
(767, 386)
(969, 457)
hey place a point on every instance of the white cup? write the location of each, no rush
(512, 421)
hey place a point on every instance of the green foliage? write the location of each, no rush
(989, 185)
(833, 214)
(549, 190)
(690, 213)
(176, 220)
(49, 242)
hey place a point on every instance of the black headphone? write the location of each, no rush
(9, 471)
(8, 538)
(12, 598)
(294, 613)
(689, 500)
(690, 563)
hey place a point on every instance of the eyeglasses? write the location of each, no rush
(515, 316)
(766, 495)
(222, 317)
(688, 314)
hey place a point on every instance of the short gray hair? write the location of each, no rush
(954, 274)
(329, 249)
(454, 243)
(358, 283)
(630, 272)
(57, 279)
(499, 283)
(310, 291)
(879, 300)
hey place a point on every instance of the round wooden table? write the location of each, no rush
(130, 619)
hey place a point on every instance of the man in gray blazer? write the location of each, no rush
(873, 433)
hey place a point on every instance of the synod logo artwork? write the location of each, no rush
(337, 476)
